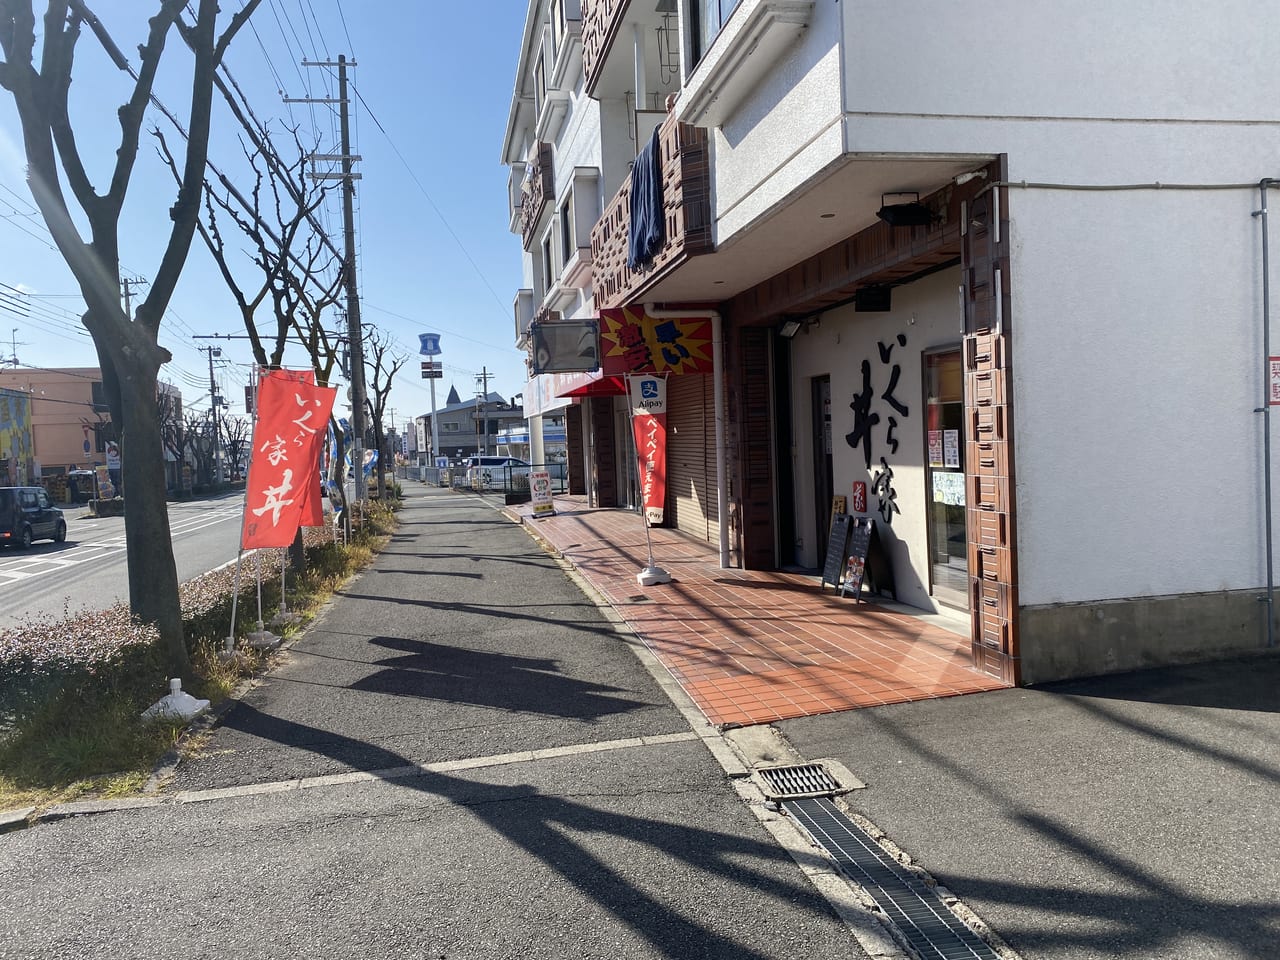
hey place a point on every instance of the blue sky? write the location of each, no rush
(434, 249)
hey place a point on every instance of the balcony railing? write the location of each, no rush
(600, 23)
(542, 187)
(686, 200)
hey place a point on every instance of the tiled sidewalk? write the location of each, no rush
(753, 646)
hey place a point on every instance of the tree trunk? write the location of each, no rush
(153, 575)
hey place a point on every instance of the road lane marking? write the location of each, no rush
(418, 769)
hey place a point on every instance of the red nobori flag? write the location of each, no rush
(312, 514)
(287, 440)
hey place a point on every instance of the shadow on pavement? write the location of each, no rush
(545, 826)
(458, 675)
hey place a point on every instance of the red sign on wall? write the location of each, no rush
(859, 496)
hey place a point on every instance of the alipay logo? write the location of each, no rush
(648, 389)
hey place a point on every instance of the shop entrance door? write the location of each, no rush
(944, 478)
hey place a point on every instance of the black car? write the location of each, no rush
(27, 514)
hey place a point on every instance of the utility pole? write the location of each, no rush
(354, 334)
(128, 294)
(214, 400)
(482, 378)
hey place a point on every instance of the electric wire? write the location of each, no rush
(413, 176)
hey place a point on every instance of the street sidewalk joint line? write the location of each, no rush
(416, 769)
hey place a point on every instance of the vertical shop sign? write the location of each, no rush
(287, 441)
(649, 424)
(1274, 387)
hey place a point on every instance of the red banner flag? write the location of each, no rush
(281, 492)
(649, 423)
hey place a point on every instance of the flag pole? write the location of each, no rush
(652, 574)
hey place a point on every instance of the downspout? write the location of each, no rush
(1265, 409)
(717, 373)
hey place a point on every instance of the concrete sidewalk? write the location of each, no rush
(1128, 816)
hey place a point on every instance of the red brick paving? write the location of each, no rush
(752, 646)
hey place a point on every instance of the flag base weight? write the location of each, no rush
(651, 576)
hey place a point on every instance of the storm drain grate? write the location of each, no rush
(796, 781)
(933, 931)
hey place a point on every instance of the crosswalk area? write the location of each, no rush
(94, 541)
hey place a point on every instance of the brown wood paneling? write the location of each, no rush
(755, 448)
(604, 463)
(575, 447)
(989, 480)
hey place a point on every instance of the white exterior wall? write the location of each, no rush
(928, 313)
(784, 133)
(1137, 355)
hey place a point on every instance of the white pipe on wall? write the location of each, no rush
(717, 360)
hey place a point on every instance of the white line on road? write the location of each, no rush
(417, 769)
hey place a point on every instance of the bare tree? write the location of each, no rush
(236, 434)
(200, 441)
(383, 363)
(169, 413)
(128, 349)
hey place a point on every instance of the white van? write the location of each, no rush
(496, 473)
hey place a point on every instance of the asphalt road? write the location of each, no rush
(572, 811)
(89, 570)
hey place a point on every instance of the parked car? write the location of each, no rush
(496, 473)
(27, 514)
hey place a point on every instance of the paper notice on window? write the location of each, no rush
(948, 488)
(935, 448)
(951, 448)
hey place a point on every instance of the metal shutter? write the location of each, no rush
(691, 460)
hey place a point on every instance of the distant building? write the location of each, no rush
(468, 426)
(70, 424)
(17, 463)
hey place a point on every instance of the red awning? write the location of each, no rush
(606, 386)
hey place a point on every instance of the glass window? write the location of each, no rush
(945, 477)
(567, 244)
(709, 18)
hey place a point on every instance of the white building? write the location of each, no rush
(993, 276)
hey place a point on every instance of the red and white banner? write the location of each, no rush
(283, 490)
(648, 395)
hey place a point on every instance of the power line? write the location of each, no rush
(443, 219)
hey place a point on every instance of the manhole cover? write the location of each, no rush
(797, 781)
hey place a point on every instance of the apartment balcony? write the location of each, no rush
(686, 198)
(601, 20)
(541, 189)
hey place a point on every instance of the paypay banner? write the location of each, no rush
(649, 424)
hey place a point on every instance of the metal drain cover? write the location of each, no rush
(797, 781)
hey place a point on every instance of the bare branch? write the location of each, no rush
(132, 112)
(99, 31)
(238, 21)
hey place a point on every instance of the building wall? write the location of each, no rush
(1030, 59)
(61, 407)
(15, 438)
(784, 133)
(926, 313)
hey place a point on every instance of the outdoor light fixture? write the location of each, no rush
(790, 328)
(909, 213)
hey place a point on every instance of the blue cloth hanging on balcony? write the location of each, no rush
(647, 233)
